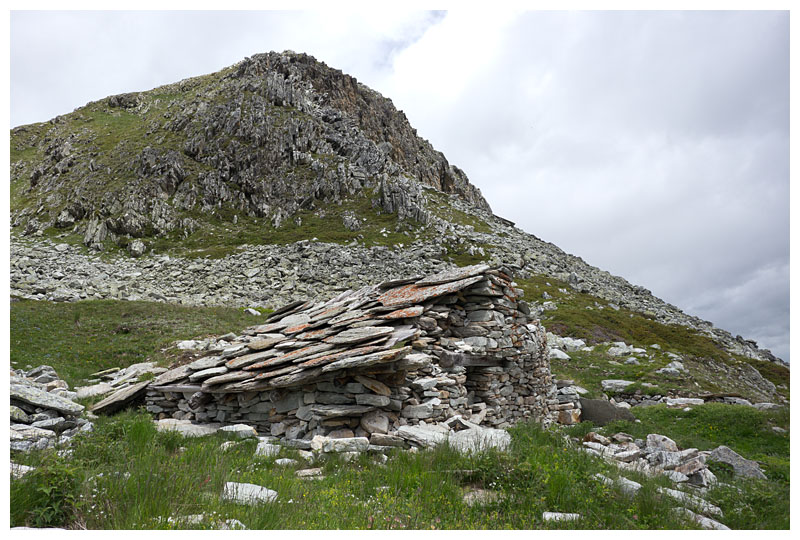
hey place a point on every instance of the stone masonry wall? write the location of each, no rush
(474, 352)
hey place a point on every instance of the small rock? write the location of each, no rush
(615, 385)
(480, 496)
(18, 471)
(266, 449)
(242, 431)
(307, 473)
(244, 493)
(136, 248)
(184, 427)
(560, 516)
(593, 436)
(232, 525)
(703, 521)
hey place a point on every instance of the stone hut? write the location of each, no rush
(368, 362)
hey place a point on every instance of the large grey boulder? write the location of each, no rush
(656, 442)
(136, 248)
(45, 400)
(556, 354)
(600, 412)
(348, 444)
(375, 422)
(423, 435)
(741, 466)
(25, 438)
(121, 398)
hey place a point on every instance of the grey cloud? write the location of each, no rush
(654, 145)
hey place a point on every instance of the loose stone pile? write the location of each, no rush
(368, 363)
(660, 455)
(43, 413)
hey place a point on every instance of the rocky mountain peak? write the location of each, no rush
(265, 138)
(342, 98)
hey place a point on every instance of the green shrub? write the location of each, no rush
(46, 496)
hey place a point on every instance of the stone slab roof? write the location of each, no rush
(307, 341)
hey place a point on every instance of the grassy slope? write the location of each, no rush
(81, 338)
(591, 318)
(220, 237)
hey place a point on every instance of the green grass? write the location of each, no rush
(589, 368)
(458, 254)
(439, 205)
(80, 338)
(220, 237)
(149, 476)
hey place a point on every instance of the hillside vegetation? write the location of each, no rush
(711, 369)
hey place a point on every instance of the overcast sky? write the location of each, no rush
(654, 145)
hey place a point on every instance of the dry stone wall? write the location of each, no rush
(368, 362)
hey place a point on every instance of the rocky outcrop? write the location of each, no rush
(660, 455)
(264, 138)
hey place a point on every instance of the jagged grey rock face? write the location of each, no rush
(265, 137)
